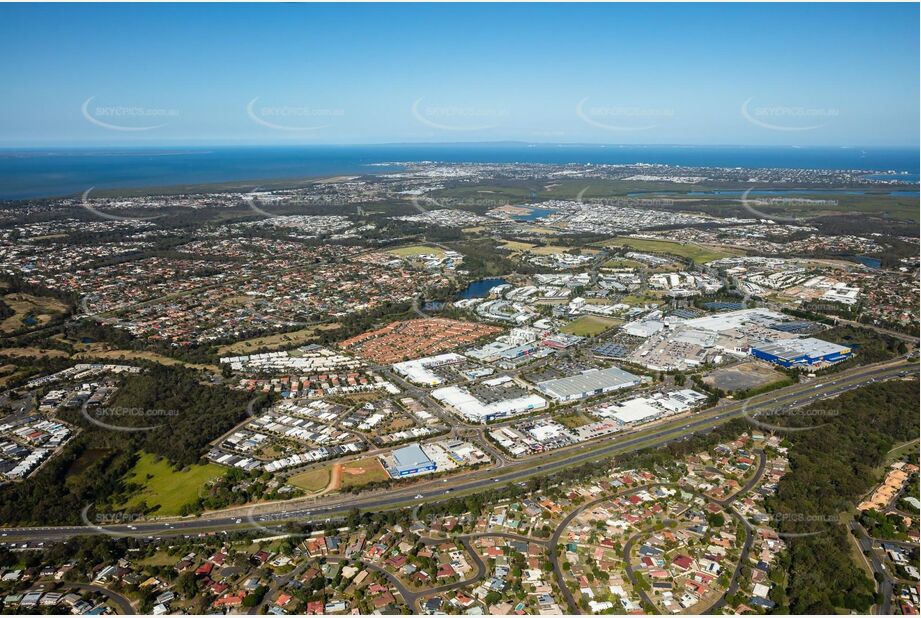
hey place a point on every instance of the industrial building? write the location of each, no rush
(638, 410)
(516, 344)
(635, 411)
(407, 461)
(588, 384)
(801, 352)
(466, 405)
(418, 372)
(743, 320)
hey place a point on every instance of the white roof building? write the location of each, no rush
(418, 372)
(474, 410)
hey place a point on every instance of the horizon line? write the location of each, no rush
(231, 144)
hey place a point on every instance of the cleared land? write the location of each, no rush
(640, 299)
(623, 263)
(167, 488)
(547, 249)
(271, 342)
(743, 377)
(161, 559)
(547, 230)
(900, 451)
(571, 421)
(102, 353)
(416, 250)
(699, 253)
(516, 246)
(7, 373)
(362, 472)
(590, 325)
(96, 351)
(313, 481)
(551, 249)
(33, 352)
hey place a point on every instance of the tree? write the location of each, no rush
(187, 584)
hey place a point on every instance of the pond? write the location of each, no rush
(480, 288)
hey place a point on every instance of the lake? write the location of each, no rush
(535, 214)
(480, 289)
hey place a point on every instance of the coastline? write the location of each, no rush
(34, 174)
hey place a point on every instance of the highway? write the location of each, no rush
(263, 517)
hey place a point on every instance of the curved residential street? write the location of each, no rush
(726, 503)
(121, 601)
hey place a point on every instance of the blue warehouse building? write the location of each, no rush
(801, 352)
(408, 461)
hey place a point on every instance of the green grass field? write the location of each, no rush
(415, 250)
(516, 246)
(161, 558)
(590, 325)
(167, 488)
(311, 480)
(641, 300)
(697, 253)
(362, 472)
(278, 340)
(901, 450)
(573, 420)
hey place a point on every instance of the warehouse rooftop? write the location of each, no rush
(808, 346)
(588, 383)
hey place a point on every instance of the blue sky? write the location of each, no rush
(805, 74)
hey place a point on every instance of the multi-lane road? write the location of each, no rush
(269, 517)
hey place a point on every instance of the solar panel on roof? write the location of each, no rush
(724, 306)
(613, 350)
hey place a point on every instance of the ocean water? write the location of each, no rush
(47, 173)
